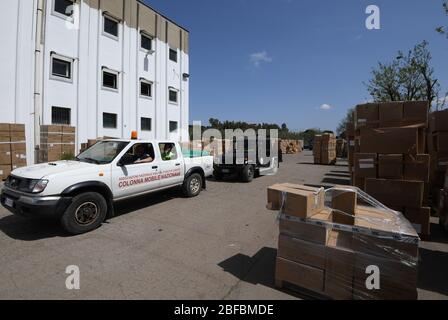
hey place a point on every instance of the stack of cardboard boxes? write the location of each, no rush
(12, 148)
(442, 207)
(341, 148)
(324, 149)
(390, 161)
(56, 141)
(438, 149)
(328, 241)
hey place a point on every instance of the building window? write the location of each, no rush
(109, 120)
(145, 42)
(173, 55)
(60, 116)
(173, 126)
(63, 8)
(110, 79)
(145, 124)
(173, 95)
(145, 88)
(110, 27)
(61, 67)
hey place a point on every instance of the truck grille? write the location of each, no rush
(19, 184)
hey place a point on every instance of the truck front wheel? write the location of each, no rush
(86, 213)
(192, 185)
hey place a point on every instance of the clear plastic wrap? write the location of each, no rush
(354, 248)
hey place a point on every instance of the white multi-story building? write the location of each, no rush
(107, 67)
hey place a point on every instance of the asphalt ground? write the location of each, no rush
(219, 245)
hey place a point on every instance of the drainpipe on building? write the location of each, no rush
(38, 81)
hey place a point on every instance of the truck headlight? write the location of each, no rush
(39, 186)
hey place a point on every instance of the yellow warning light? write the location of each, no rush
(134, 135)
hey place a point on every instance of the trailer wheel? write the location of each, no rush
(86, 213)
(192, 185)
(248, 173)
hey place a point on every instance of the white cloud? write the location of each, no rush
(325, 107)
(258, 57)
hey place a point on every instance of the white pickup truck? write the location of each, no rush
(81, 193)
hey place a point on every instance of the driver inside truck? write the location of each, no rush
(141, 155)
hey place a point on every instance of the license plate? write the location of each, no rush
(9, 202)
(225, 170)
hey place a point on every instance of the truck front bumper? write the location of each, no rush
(31, 206)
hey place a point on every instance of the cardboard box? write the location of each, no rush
(402, 140)
(18, 137)
(301, 251)
(68, 129)
(365, 165)
(18, 158)
(416, 112)
(390, 166)
(400, 193)
(300, 275)
(420, 219)
(359, 182)
(398, 280)
(4, 128)
(307, 231)
(439, 121)
(440, 141)
(5, 157)
(17, 128)
(339, 266)
(55, 129)
(297, 200)
(68, 138)
(5, 171)
(51, 138)
(343, 203)
(391, 114)
(417, 167)
(367, 115)
(4, 137)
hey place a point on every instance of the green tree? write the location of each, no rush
(444, 29)
(408, 77)
(349, 117)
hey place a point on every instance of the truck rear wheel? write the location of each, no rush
(192, 185)
(248, 173)
(86, 213)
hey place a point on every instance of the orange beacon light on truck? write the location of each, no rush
(134, 135)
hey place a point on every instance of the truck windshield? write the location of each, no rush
(103, 152)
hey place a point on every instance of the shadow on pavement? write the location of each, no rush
(134, 204)
(36, 229)
(30, 229)
(258, 269)
(432, 271)
(336, 181)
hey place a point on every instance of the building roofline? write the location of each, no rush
(161, 14)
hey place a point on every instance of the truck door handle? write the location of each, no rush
(177, 164)
(155, 167)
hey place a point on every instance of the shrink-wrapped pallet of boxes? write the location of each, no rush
(324, 149)
(391, 163)
(330, 239)
(12, 148)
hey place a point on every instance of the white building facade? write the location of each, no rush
(107, 67)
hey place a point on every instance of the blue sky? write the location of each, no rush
(282, 60)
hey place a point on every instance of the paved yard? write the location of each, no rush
(220, 245)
